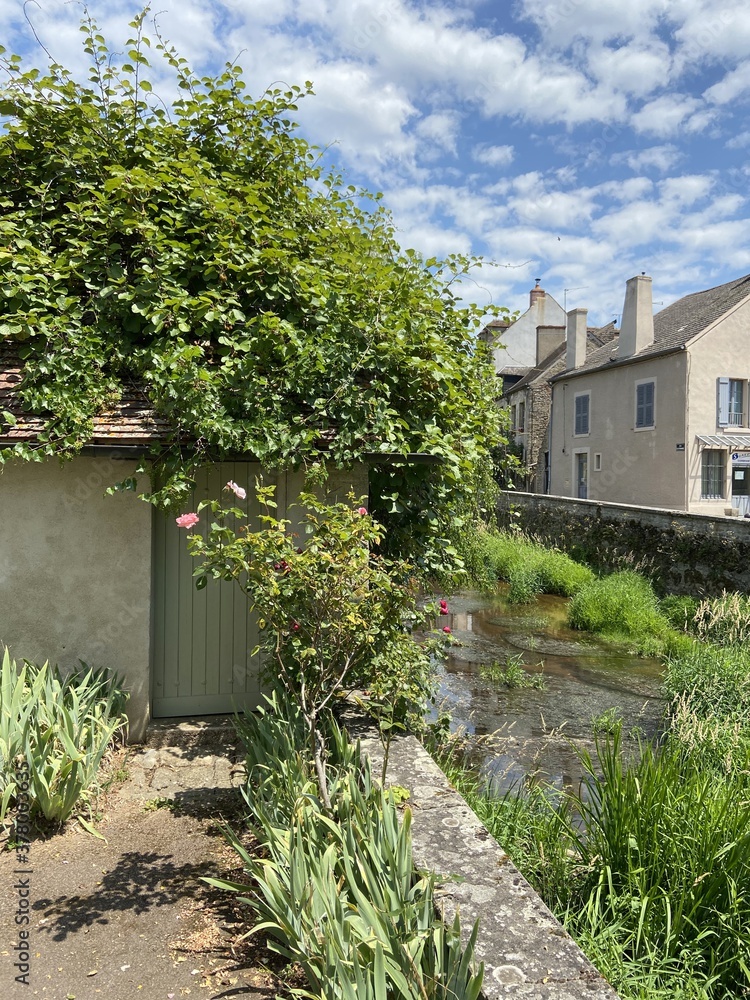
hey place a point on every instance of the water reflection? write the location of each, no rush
(537, 732)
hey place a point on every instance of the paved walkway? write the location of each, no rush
(129, 917)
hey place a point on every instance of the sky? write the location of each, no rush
(576, 141)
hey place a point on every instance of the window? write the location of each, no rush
(713, 479)
(731, 392)
(521, 417)
(736, 415)
(582, 414)
(645, 410)
(513, 417)
(597, 461)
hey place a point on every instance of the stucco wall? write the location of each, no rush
(640, 467)
(724, 350)
(75, 570)
(519, 340)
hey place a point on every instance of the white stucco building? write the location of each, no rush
(660, 416)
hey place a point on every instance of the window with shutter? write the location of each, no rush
(645, 411)
(582, 404)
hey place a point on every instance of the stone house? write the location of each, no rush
(658, 417)
(529, 401)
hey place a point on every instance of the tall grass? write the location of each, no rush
(531, 568)
(648, 865)
(623, 608)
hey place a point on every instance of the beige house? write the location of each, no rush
(659, 416)
(109, 580)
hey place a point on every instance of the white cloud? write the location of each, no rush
(733, 85)
(493, 156)
(664, 115)
(440, 131)
(661, 158)
(739, 141)
(634, 69)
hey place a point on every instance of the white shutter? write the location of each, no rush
(723, 402)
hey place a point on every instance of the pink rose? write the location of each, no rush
(187, 520)
(237, 490)
(447, 630)
(362, 511)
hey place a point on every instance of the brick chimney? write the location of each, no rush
(536, 293)
(637, 329)
(575, 354)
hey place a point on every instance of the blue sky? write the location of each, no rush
(580, 141)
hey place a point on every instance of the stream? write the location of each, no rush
(535, 733)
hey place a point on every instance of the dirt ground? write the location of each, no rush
(129, 917)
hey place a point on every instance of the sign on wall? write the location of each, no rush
(741, 458)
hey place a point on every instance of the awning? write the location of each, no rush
(735, 442)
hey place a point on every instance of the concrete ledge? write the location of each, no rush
(526, 951)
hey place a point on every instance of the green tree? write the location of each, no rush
(199, 250)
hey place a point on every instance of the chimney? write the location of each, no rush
(575, 354)
(637, 330)
(536, 293)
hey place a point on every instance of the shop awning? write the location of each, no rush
(735, 442)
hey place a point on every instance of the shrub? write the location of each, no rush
(62, 726)
(334, 616)
(621, 605)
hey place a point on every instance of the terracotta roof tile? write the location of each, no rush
(130, 421)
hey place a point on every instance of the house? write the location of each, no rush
(529, 401)
(533, 335)
(658, 417)
(108, 579)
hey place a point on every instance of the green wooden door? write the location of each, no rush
(203, 639)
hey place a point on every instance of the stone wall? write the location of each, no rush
(682, 553)
(527, 954)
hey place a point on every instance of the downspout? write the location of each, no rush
(549, 443)
(688, 450)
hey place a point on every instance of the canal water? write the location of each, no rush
(527, 732)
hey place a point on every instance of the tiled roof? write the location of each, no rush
(677, 324)
(130, 421)
(554, 363)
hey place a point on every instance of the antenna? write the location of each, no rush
(578, 288)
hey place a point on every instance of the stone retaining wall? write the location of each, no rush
(527, 954)
(682, 553)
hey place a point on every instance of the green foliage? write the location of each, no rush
(62, 727)
(336, 889)
(334, 617)
(620, 606)
(512, 674)
(531, 568)
(196, 248)
(679, 610)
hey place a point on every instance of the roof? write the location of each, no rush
(554, 363)
(674, 326)
(130, 421)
